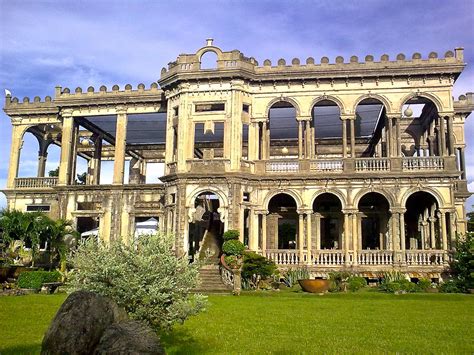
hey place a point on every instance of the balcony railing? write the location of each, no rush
(282, 166)
(327, 165)
(338, 257)
(427, 257)
(375, 257)
(372, 164)
(423, 163)
(35, 182)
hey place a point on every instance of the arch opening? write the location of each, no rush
(327, 223)
(374, 210)
(282, 222)
(422, 222)
(370, 128)
(326, 128)
(282, 129)
(205, 229)
(421, 128)
(209, 60)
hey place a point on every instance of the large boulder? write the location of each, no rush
(80, 323)
(129, 338)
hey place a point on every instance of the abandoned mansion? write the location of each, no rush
(349, 163)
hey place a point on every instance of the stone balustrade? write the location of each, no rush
(423, 163)
(372, 164)
(327, 165)
(35, 182)
(282, 166)
(283, 256)
(375, 257)
(427, 257)
(338, 257)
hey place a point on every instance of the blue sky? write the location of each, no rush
(82, 43)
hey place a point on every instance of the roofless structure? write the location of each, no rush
(352, 164)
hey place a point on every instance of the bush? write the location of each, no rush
(231, 234)
(291, 276)
(257, 267)
(233, 247)
(401, 285)
(450, 286)
(146, 278)
(339, 281)
(355, 283)
(35, 279)
(424, 284)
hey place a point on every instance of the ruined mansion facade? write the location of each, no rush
(346, 164)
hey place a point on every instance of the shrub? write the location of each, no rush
(450, 286)
(355, 283)
(291, 276)
(424, 284)
(462, 267)
(231, 234)
(255, 264)
(339, 281)
(233, 247)
(146, 278)
(400, 285)
(35, 279)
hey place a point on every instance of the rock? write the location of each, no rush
(129, 338)
(80, 323)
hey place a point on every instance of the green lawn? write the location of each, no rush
(284, 323)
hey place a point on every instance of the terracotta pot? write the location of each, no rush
(314, 286)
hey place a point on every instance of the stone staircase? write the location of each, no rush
(211, 281)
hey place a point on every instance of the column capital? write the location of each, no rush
(304, 211)
(344, 117)
(304, 118)
(397, 210)
(67, 112)
(260, 211)
(259, 119)
(446, 114)
(121, 109)
(350, 211)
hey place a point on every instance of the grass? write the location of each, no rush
(285, 323)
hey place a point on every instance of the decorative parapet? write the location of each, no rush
(465, 103)
(188, 66)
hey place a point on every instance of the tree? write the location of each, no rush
(146, 278)
(470, 221)
(54, 173)
(462, 266)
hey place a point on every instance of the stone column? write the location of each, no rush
(254, 230)
(344, 137)
(443, 231)
(318, 230)
(442, 132)
(97, 160)
(264, 233)
(402, 236)
(300, 139)
(300, 235)
(42, 156)
(389, 138)
(15, 149)
(451, 135)
(431, 221)
(308, 140)
(399, 137)
(355, 237)
(120, 145)
(353, 138)
(309, 247)
(67, 141)
(462, 163)
(345, 241)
